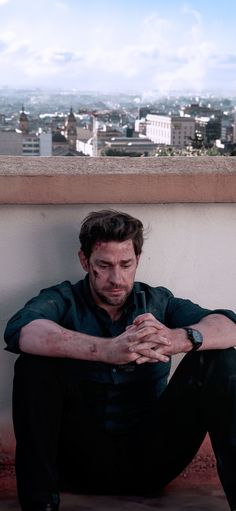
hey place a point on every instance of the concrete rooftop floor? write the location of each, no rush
(206, 499)
(176, 497)
(197, 488)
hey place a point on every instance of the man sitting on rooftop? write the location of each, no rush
(93, 410)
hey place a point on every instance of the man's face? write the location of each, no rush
(111, 268)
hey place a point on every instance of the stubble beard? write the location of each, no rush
(116, 301)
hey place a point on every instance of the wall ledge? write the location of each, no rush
(70, 180)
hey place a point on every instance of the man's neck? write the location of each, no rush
(114, 313)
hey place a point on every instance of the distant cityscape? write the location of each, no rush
(71, 123)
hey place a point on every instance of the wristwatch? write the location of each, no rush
(194, 336)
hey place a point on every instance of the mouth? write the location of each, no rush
(116, 291)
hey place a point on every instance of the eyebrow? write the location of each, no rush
(105, 261)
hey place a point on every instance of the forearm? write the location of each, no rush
(218, 331)
(46, 338)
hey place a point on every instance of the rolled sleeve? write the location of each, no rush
(181, 312)
(49, 304)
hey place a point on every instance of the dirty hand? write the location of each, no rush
(155, 342)
(136, 341)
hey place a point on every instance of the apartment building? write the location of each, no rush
(234, 138)
(135, 145)
(170, 130)
(37, 144)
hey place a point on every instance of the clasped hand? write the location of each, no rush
(151, 339)
(146, 340)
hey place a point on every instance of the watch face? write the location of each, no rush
(195, 337)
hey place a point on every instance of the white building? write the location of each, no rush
(234, 139)
(170, 130)
(37, 145)
(140, 126)
(139, 145)
(85, 146)
(45, 144)
(30, 145)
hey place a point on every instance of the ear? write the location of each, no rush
(83, 260)
(137, 259)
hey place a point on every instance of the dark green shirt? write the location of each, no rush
(73, 307)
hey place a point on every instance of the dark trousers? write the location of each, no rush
(96, 438)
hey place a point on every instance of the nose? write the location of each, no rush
(115, 276)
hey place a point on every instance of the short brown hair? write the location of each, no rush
(110, 225)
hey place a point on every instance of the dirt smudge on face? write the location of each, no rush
(95, 272)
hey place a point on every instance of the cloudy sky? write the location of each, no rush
(119, 45)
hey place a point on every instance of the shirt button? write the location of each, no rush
(114, 370)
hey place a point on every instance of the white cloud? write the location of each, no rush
(186, 9)
(63, 6)
(3, 2)
(173, 52)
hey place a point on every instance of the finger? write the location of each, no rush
(142, 360)
(147, 317)
(149, 343)
(136, 336)
(158, 358)
(149, 324)
(146, 335)
(148, 331)
(153, 354)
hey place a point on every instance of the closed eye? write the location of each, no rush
(104, 265)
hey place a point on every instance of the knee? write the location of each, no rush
(30, 368)
(221, 364)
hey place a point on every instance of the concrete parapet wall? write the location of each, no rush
(68, 180)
